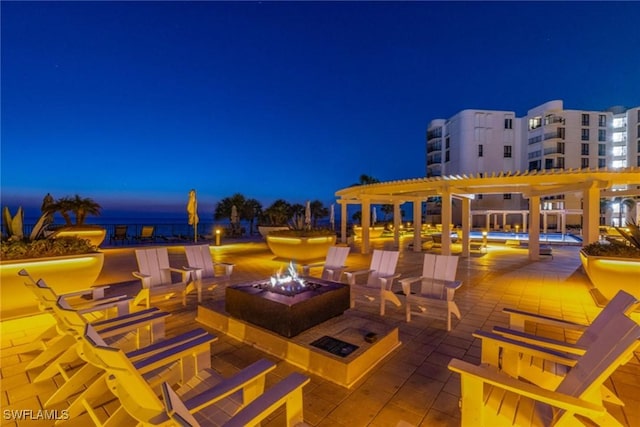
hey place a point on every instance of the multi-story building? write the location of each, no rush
(548, 137)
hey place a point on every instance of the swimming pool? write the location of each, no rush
(501, 236)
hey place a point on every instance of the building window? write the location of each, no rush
(508, 123)
(535, 123)
(506, 196)
(548, 163)
(585, 120)
(561, 133)
(602, 120)
(584, 162)
(447, 141)
(602, 149)
(560, 147)
(534, 165)
(507, 151)
(479, 196)
(446, 156)
(602, 163)
(602, 135)
(585, 149)
(480, 148)
(585, 134)
(560, 163)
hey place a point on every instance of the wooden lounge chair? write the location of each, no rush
(380, 276)
(155, 273)
(204, 269)
(120, 234)
(492, 398)
(542, 360)
(207, 399)
(435, 287)
(147, 234)
(333, 265)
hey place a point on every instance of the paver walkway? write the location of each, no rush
(412, 386)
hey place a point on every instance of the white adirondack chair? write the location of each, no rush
(204, 269)
(207, 399)
(492, 398)
(380, 276)
(541, 360)
(435, 287)
(155, 274)
(333, 265)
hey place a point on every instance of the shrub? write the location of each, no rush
(21, 249)
(612, 249)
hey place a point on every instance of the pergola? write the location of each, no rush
(593, 184)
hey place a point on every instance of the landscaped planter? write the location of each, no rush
(611, 274)
(374, 232)
(266, 229)
(300, 249)
(64, 274)
(94, 234)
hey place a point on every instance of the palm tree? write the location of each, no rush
(224, 207)
(278, 213)
(367, 179)
(79, 206)
(251, 210)
(317, 211)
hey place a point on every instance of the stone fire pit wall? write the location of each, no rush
(283, 314)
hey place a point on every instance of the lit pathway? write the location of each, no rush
(413, 385)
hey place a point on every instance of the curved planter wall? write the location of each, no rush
(374, 232)
(300, 249)
(266, 229)
(63, 274)
(610, 274)
(95, 235)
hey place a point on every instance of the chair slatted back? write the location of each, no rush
(154, 262)
(123, 379)
(383, 263)
(337, 256)
(606, 353)
(622, 302)
(441, 267)
(199, 256)
(120, 231)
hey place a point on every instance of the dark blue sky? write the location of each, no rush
(135, 103)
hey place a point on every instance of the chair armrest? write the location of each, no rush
(255, 372)
(406, 283)
(540, 341)
(452, 284)
(474, 376)
(228, 267)
(387, 281)
(517, 319)
(496, 341)
(184, 272)
(351, 275)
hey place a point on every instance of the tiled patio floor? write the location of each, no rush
(412, 386)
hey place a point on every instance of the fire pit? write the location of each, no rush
(287, 304)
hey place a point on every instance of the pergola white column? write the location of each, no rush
(366, 223)
(544, 222)
(563, 222)
(591, 213)
(487, 222)
(343, 223)
(466, 226)
(396, 223)
(525, 221)
(417, 225)
(534, 228)
(446, 222)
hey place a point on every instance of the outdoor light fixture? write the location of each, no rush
(484, 239)
(217, 237)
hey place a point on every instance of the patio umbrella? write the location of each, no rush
(192, 210)
(374, 216)
(332, 217)
(307, 214)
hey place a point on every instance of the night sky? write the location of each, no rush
(135, 103)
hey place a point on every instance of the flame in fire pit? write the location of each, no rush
(288, 283)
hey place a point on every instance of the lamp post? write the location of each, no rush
(484, 239)
(217, 237)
